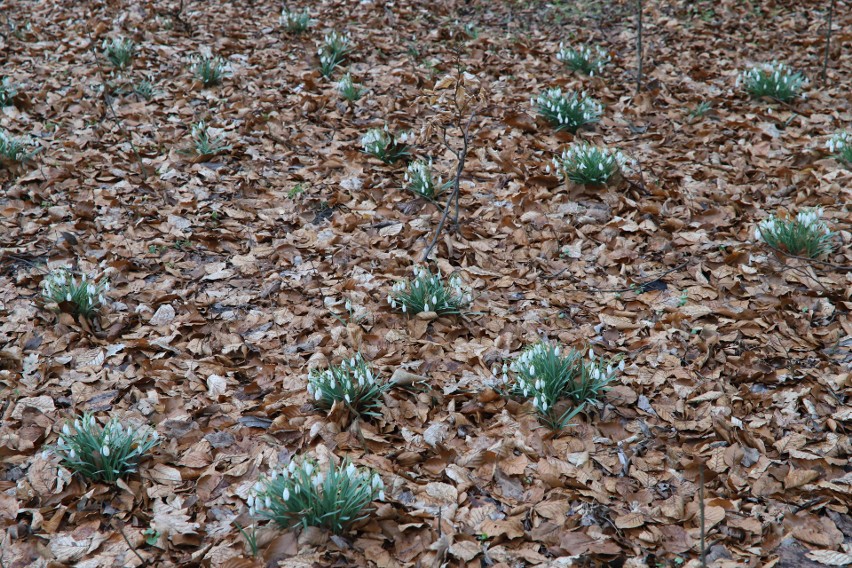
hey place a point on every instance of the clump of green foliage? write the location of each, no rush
(206, 144)
(348, 89)
(84, 296)
(104, 453)
(295, 22)
(119, 51)
(387, 147)
(774, 80)
(352, 383)
(304, 495)
(8, 91)
(13, 151)
(428, 292)
(333, 51)
(210, 70)
(585, 164)
(841, 147)
(420, 181)
(804, 235)
(589, 60)
(559, 383)
(567, 110)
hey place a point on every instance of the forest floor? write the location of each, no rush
(233, 274)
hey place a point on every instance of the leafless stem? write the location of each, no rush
(461, 156)
(827, 41)
(701, 512)
(133, 548)
(639, 45)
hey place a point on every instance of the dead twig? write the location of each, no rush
(827, 42)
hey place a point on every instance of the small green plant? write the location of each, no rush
(559, 384)
(427, 292)
(420, 181)
(7, 92)
(295, 22)
(352, 383)
(585, 164)
(205, 143)
(569, 110)
(841, 147)
(589, 60)
(804, 235)
(296, 191)
(250, 538)
(103, 453)
(348, 89)
(774, 80)
(333, 51)
(211, 70)
(700, 110)
(303, 495)
(151, 535)
(389, 148)
(83, 296)
(119, 51)
(144, 89)
(13, 151)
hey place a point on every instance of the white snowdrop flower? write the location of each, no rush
(66, 430)
(346, 398)
(404, 308)
(381, 495)
(318, 479)
(68, 297)
(308, 467)
(435, 300)
(544, 405)
(351, 470)
(318, 395)
(285, 494)
(72, 454)
(268, 502)
(621, 365)
(532, 370)
(105, 451)
(426, 307)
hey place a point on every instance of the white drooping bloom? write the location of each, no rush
(419, 179)
(569, 110)
(587, 59)
(840, 145)
(805, 234)
(428, 292)
(774, 80)
(86, 296)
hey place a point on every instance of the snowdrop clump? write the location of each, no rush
(295, 22)
(103, 454)
(389, 148)
(333, 51)
(567, 110)
(427, 292)
(583, 163)
(348, 89)
(774, 80)
(805, 235)
(13, 149)
(840, 146)
(119, 51)
(585, 59)
(420, 181)
(559, 383)
(301, 494)
(209, 70)
(85, 295)
(352, 383)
